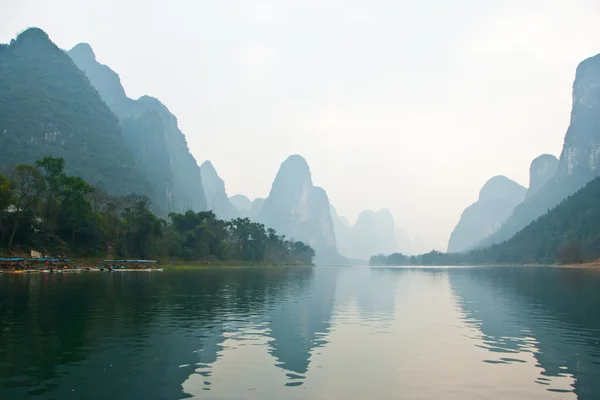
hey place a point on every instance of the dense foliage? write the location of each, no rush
(569, 233)
(45, 209)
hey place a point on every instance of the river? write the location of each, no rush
(302, 333)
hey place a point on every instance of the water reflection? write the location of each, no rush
(549, 312)
(308, 333)
(299, 323)
(372, 291)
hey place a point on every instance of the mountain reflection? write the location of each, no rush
(549, 312)
(145, 333)
(302, 333)
(372, 290)
(300, 320)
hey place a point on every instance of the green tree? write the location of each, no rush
(27, 187)
(52, 171)
(5, 201)
(74, 204)
(141, 229)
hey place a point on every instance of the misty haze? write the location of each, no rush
(317, 199)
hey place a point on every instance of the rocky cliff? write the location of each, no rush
(49, 107)
(497, 200)
(579, 159)
(216, 196)
(342, 229)
(541, 170)
(257, 205)
(151, 131)
(300, 210)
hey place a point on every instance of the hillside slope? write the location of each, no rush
(49, 107)
(153, 135)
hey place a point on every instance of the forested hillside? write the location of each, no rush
(49, 107)
(569, 233)
(44, 208)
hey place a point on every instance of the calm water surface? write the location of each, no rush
(302, 333)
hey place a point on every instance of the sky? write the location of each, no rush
(410, 105)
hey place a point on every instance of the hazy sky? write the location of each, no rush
(409, 105)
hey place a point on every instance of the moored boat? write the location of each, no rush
(14, 265)
(131, 266)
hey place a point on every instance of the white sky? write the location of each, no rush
(409, 105)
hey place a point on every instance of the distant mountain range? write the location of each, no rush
(373, 233)
(153, 138)
(567, 234)
(67, 104)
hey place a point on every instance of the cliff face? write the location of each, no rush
(216, 196)
(257, 206)
(153, 136)
(542, 169)
(49, 107)
(300, 210)
(342, 230)
(497, 200)
(580, 156)
(579, 159)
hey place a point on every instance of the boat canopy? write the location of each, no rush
(132, 261)
(12, 259)
(50, 259)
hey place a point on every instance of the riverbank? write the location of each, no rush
(171, 264)
(586, 265)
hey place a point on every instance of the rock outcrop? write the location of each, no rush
(216, 196)
(151, 131)
(300, 210)
(497, 200)
(542, 169)
(342, 229)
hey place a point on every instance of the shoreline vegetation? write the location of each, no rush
(43, 209)
(585, 265)
(170, 264)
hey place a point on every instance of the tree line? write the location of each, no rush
(43, 208)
